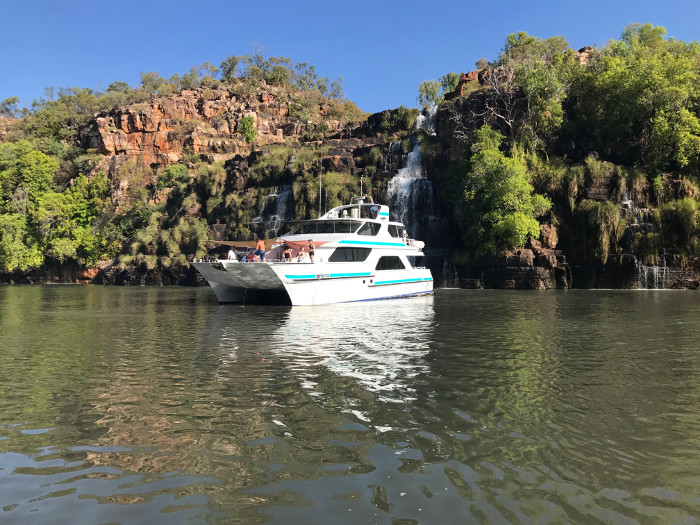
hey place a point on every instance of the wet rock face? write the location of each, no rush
(530, 268)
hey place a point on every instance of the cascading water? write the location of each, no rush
(408, 190)
(415, 203)
(640, 221)
(428, 120)
(274, 210)
(652, 277)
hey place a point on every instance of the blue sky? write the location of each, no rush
(383, 49)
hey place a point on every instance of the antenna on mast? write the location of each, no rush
(361, 177)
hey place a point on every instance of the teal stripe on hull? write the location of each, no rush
(371, 243)
(328, 276)
(400, 281)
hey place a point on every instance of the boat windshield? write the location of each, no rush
(396, 230)
(326, 226)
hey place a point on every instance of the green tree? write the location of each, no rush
(18, 248)
(118, 87)
(150, 81)
(10, 107)
(429, 93)
(228, 68)
(25, 174)
(532, 85)
(638, 102)
(278, 73)
(500, 208)
(175, 176)
(449, 82)
(64, 222)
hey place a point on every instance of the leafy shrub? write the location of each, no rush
(246, 126)
(499, 206)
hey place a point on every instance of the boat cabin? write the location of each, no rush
(362, 207)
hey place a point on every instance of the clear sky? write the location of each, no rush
(382, 48)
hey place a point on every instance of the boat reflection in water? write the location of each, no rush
(380, 346)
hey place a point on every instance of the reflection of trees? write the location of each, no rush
(561, 391)
(453, 401)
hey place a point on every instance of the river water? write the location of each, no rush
(157, 405)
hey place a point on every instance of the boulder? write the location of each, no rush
(549, 236)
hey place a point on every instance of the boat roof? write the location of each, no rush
(361, 207)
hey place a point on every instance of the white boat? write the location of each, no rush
(360, 255)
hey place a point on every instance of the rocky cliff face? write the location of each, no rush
(537, 266)
(206, 123)
(297, 137)
(643, 245)
(203, 121)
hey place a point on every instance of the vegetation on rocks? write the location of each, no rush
(601, 132)
(63, 202)
(499, 206)
(603, 143)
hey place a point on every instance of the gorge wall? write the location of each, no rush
(253, 156)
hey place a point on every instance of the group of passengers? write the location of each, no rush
(258, 254)
(302, 255)
(252, 255)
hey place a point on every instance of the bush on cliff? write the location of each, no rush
(246, 126)
(499, 207)
(39, 220)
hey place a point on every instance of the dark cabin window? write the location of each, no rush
(416, 261)
(369, 228)
(349, 254)
(390, 262)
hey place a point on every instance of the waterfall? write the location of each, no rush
(395, 148)
(407, 190)
(274, 210)
(450, 279)
(639, 222)
(428, 120)
(652, 277)
(414, 202)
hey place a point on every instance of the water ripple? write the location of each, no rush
(157, 405)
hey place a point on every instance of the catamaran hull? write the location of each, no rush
(307, 284)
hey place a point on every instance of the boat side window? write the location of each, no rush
(325, 226)
(349, 254)
(394, 230)
(369, 228)
(416, 261)
(390, 262)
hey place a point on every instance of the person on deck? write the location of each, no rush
(303, 256)
(312, 250)
(260, 249)
(232, 255)
(287, 254)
